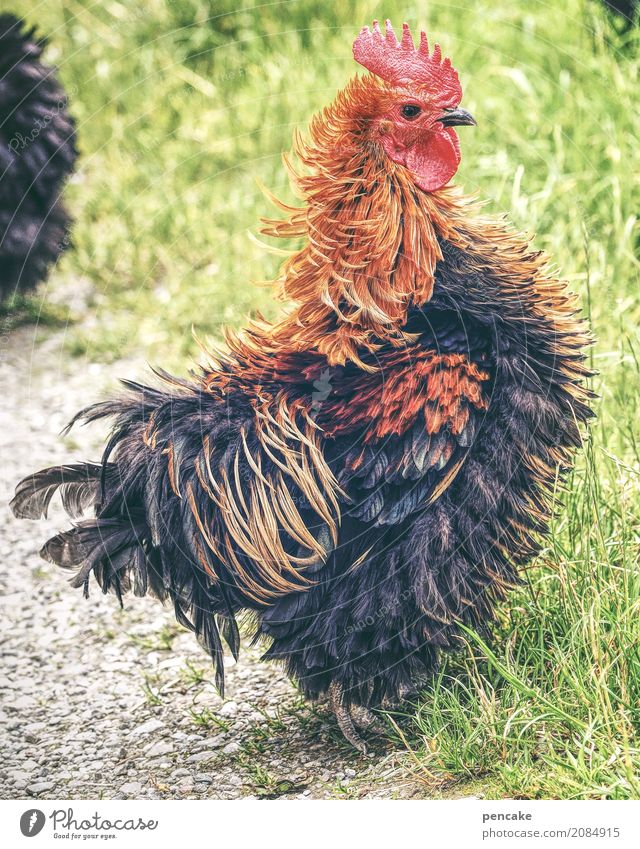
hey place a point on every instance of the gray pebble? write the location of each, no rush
(180, 773)
(147, 727)
(199, 757)
(159, 748)
(21, 703)
(131, 788)
(40, 787)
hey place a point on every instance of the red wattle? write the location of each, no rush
(434, 159)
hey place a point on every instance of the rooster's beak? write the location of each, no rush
(457, 118)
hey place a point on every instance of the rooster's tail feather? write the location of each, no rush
(78, 485)
(116, 546)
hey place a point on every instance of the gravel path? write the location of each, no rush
(99, 702)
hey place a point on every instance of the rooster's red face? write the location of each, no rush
(418, 106)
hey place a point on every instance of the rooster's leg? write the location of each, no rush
(343, 715)
(365, 718)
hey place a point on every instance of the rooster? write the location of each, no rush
(367, 474)
(37, 154)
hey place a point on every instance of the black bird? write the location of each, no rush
(37, 154)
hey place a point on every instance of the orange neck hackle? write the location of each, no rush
(371, 236)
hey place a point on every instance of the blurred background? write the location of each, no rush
(183, 106)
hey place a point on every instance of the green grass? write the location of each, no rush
(206, 718)
(180, 109)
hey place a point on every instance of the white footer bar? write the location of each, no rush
(307, 824)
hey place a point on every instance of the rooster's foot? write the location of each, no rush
(351, 717)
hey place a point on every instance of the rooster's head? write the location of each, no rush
(410, 104)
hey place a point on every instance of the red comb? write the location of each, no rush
(400, 63)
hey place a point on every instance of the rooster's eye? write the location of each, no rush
(410, 110)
